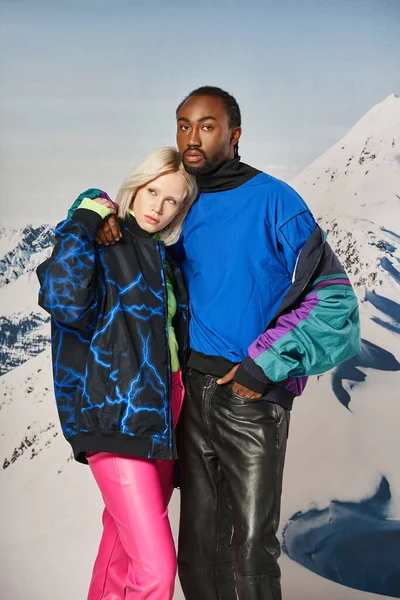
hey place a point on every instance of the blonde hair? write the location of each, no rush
(159, 162)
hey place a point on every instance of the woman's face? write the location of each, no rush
(157, 203)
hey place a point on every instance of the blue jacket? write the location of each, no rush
(243, 252)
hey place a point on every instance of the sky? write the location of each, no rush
(88, 87)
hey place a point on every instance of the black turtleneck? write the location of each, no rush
(225, 177)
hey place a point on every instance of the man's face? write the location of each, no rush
(204, 137)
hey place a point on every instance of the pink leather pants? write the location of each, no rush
(136, 558)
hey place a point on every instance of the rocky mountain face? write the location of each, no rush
(22, 256)
(24, 330)
(354, 191)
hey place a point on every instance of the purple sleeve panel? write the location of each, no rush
(296, 385)
(107, 197)
(330, 282)
(286, 323)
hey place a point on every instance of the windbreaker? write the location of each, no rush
(111, 360)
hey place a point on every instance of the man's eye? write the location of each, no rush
(208, 127)
(184, 127)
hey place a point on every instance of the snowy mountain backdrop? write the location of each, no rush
(342, 503)
(341, 506)
(23, 325)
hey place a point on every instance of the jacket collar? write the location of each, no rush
(226, 177)
(132, 225)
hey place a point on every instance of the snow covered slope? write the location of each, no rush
(24, 330)
(342, 485)
(360, 175)
(354, 191)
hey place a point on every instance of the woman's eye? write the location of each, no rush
(152, 191)
(171, 200)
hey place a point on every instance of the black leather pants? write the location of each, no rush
(232, 452)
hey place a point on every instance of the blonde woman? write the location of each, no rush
(119, 316)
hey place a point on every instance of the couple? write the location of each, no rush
(268, 305)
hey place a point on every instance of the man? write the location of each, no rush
(270, 305)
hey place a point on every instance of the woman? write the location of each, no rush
(117, 366)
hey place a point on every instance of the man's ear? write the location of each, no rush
(236, 132)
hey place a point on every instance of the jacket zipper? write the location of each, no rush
(163, 258)
(178, 277)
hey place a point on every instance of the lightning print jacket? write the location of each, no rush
(111, 362)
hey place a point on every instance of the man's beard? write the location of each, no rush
(209, 165)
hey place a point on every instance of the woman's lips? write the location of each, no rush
(151, 220)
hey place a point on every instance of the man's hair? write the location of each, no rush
(159, 162)
(231, 105)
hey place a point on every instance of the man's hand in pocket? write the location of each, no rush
(238, 389)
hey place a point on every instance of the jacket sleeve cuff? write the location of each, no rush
(252, 376)
(88, 217)
(100, 209)
(91, 193)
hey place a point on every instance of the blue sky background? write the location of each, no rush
(88, 87)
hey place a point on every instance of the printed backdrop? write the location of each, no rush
(87, 89)
(341, 499)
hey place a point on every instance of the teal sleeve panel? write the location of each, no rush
(320, 333)
(91, 193)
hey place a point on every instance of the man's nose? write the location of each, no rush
(194, 138)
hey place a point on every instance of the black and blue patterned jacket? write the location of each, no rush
(111, 360)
